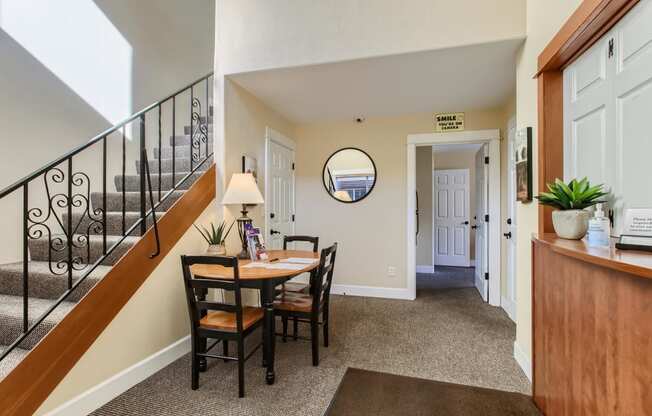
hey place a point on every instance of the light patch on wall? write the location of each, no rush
(76, 42)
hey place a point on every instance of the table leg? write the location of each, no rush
(269, 338)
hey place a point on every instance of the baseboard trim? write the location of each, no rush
(372, 292)
(523, 361)
(509, 307)
(97, 396)
(426, 268)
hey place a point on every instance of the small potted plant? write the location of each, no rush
(215, 238)
(570, 219)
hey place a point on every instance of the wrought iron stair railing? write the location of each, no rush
(63, 190)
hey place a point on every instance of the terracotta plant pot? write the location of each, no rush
(571, 224)
(216, 250)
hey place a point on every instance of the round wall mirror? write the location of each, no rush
(349, 175)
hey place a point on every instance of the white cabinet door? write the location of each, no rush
(451, 211)
(608, 113)
(281, 197)
(633, 110)
(587, 106)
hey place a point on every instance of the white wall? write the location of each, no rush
(263, 34)
(544, 19)
(53, 99)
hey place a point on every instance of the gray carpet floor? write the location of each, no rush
(446, 277)
(446, 335)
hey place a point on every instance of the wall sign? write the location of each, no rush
(445, 122)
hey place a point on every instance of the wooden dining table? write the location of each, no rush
(266, 280)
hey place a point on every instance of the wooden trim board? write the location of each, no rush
(26, 388)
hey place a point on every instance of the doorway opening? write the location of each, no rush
(452, 240)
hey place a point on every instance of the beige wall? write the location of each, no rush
(312, 32)
(372, 232)
(544, 19)
(155, 317)
(424, 250)
(460, 159)
(245, 121)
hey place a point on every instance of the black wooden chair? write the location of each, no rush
(298, 287)
(309, 308)
(222, 322)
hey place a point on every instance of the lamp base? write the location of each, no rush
(242, 222)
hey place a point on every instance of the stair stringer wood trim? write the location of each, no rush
(24, 390)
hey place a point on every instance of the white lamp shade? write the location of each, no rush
(242, 190)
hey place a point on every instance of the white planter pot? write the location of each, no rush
(571, 224)
(216, 250)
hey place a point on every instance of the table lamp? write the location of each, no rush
(242, 190)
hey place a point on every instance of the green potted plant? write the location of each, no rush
(215, 237)
(570, 219)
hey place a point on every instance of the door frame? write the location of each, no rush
(272, 135)
(509, 301)
(492, 137)
(468, 203)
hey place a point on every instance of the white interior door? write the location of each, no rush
(451, 230)
(509, 303)
(280, 198)
(481, 232)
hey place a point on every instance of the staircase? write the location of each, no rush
(56, 272)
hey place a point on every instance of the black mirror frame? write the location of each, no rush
(323, 172)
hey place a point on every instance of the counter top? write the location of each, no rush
(638, 263)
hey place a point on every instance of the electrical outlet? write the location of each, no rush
(391, 271)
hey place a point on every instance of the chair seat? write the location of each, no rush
(293, 302)
(296, 287)
(226, 321)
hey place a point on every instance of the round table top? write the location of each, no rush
(257, 273)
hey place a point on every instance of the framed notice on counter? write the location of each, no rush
(637, 232)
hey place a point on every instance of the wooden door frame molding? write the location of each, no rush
(24, 390)
(591, 20)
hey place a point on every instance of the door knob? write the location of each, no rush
(272, 215)
(465, 223)
(272, 232)
(474, 227)
(508, 235)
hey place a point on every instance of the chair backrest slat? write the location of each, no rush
(323, 279)
(303, 239)
(197, 288)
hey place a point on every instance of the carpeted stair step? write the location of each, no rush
(132, 182)
(11, 360)
(185, 140)
(43, 283)
(84, 224)
(182, 151)
(180, 165)
(40, 249)
(132, 201)
(11, 318)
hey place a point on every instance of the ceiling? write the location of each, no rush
(456, 79)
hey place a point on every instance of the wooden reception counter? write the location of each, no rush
(592, 329)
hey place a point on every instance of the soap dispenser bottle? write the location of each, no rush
(599, 228)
